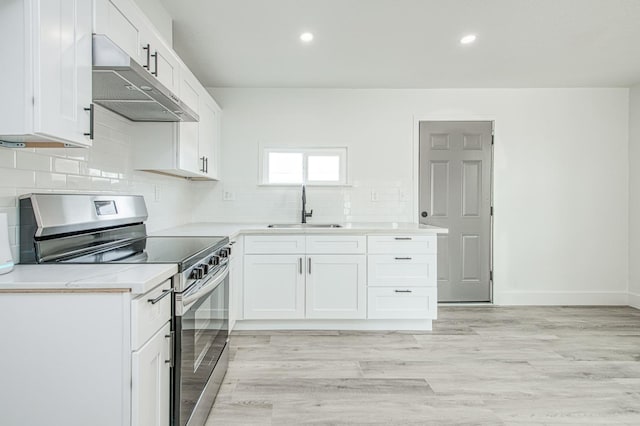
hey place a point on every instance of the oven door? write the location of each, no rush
(201, 332)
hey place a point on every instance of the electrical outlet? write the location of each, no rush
(374, 196)
(228, 195)
(156, 193)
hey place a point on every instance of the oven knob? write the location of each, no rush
(194, 274)
(205, 268)
(215, 260)
(224, 253)
(199, 272)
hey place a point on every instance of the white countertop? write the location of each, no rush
(232, 230)
(138, 279)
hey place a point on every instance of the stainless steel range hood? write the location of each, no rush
(123, 86)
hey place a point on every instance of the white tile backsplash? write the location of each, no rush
(106, 167)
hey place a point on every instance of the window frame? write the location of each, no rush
(341, 152)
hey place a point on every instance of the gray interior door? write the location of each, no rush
(455, 192)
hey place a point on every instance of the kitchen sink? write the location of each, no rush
(304, 225)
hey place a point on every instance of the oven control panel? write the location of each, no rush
(207, 266)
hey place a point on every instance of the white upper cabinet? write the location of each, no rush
(121, 22)
(182, 149)
(46, 91)
(125, 24)
(209, 136)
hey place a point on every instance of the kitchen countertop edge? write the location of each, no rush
(134, 278)
(232, 230)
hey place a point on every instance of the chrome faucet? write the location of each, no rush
(305, 215)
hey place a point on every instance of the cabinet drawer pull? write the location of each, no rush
(403, 291)
(300, 265)
(164, 294)
(309, 266)
(403, 238)
(403, 258)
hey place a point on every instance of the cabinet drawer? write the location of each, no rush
(395, 244)
(405, 269)
(336, 244)
(402, 303)
(274, 244)
(147, 317)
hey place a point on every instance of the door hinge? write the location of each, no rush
(491, 210)
(492, 139)
(491, 276)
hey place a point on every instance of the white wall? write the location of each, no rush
(106, 167)
(634, 197)
(561, 174)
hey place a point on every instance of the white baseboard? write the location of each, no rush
(554, 298)
(634, 300)
(385, 325)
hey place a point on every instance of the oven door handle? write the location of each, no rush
(207, 287)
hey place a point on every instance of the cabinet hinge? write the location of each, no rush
(13, 144)
(491, 210)
(491, 276)
(492, 139)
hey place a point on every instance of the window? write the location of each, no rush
(312, 166)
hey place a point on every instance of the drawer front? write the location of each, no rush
(409, 269)
(336, 244)
(402, 303)
(274, 244)
(398, 244)
(146, 317)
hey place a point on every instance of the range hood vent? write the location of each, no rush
(123, 86)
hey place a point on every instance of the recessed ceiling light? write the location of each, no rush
(468, 39)
(306, 37)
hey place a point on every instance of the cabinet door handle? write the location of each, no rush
(155, 68)
(300, 265)
(202, 159)
(403, 291)
(206, 164)
(164, 294)
(403, 258)
(91, 115)
(309, 265)
(148, 49)
(403, 238)
(170, 336)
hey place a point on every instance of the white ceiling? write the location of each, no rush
(409, 43)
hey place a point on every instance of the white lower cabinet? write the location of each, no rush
(402, 302)
(274, 286)
(402, 277)
(336, 287)
(150, 392)
(339, 277)
(86, 357)
(316, 277)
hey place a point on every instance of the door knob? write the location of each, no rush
(424, 214)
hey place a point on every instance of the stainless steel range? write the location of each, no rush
(87, 229)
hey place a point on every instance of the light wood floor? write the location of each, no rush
(480, 365)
